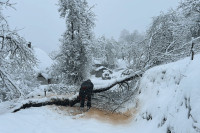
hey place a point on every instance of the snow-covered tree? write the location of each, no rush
(169, 36)
(74, 57)
(160, 38)
(111, 52)
(106, 50)
(16, 62)
(131, 47)
(98, 49)
(191, 11)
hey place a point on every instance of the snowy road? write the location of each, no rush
(46, 120)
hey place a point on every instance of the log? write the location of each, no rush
(52, 101)
(71, 102)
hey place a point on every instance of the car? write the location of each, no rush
(106, 75)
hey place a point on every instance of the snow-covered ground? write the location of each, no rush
(170, 97)
(46, 120)
(169, 100)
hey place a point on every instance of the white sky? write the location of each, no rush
(41, 24)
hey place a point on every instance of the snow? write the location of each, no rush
(97, 61)
(122, 63)
(5, 106)
(169, 91)
(44, 120)
(44, 61)
(169, 100)
(102, 67)
(99, 68)
(99, 83)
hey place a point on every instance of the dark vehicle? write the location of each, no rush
(106, 75)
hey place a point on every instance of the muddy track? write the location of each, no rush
(97, 114)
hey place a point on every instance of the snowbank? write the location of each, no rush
(170, 97)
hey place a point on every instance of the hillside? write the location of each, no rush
(170, 97)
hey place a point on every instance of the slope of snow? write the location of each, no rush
(170, 97)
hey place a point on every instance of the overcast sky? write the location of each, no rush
(40, 23)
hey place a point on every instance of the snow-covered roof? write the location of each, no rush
(44, 61)
(99, 68)
(45, 75)
(97, 61)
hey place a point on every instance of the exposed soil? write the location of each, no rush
(113, 118)
(100, 115)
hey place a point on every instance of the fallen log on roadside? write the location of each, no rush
(60, 101)
(63, 101)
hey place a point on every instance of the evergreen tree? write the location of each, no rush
(74, 57)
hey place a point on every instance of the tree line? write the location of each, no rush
(167, 39)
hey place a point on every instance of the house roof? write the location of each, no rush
(102, 68)
(99, 68)
(45, 75)
(44, 61)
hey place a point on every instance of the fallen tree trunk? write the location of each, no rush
(72, 101)
(60, 101)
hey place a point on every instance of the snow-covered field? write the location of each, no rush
(169, 100)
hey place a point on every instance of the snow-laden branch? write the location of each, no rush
(6, 77)
(7, 3)
(99, 89)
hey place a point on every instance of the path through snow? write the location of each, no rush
(99, 115)
(54, 120)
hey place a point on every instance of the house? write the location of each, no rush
(100, 70)
(99, 67)
(43, 78)
(44, 62)
(98, 62)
